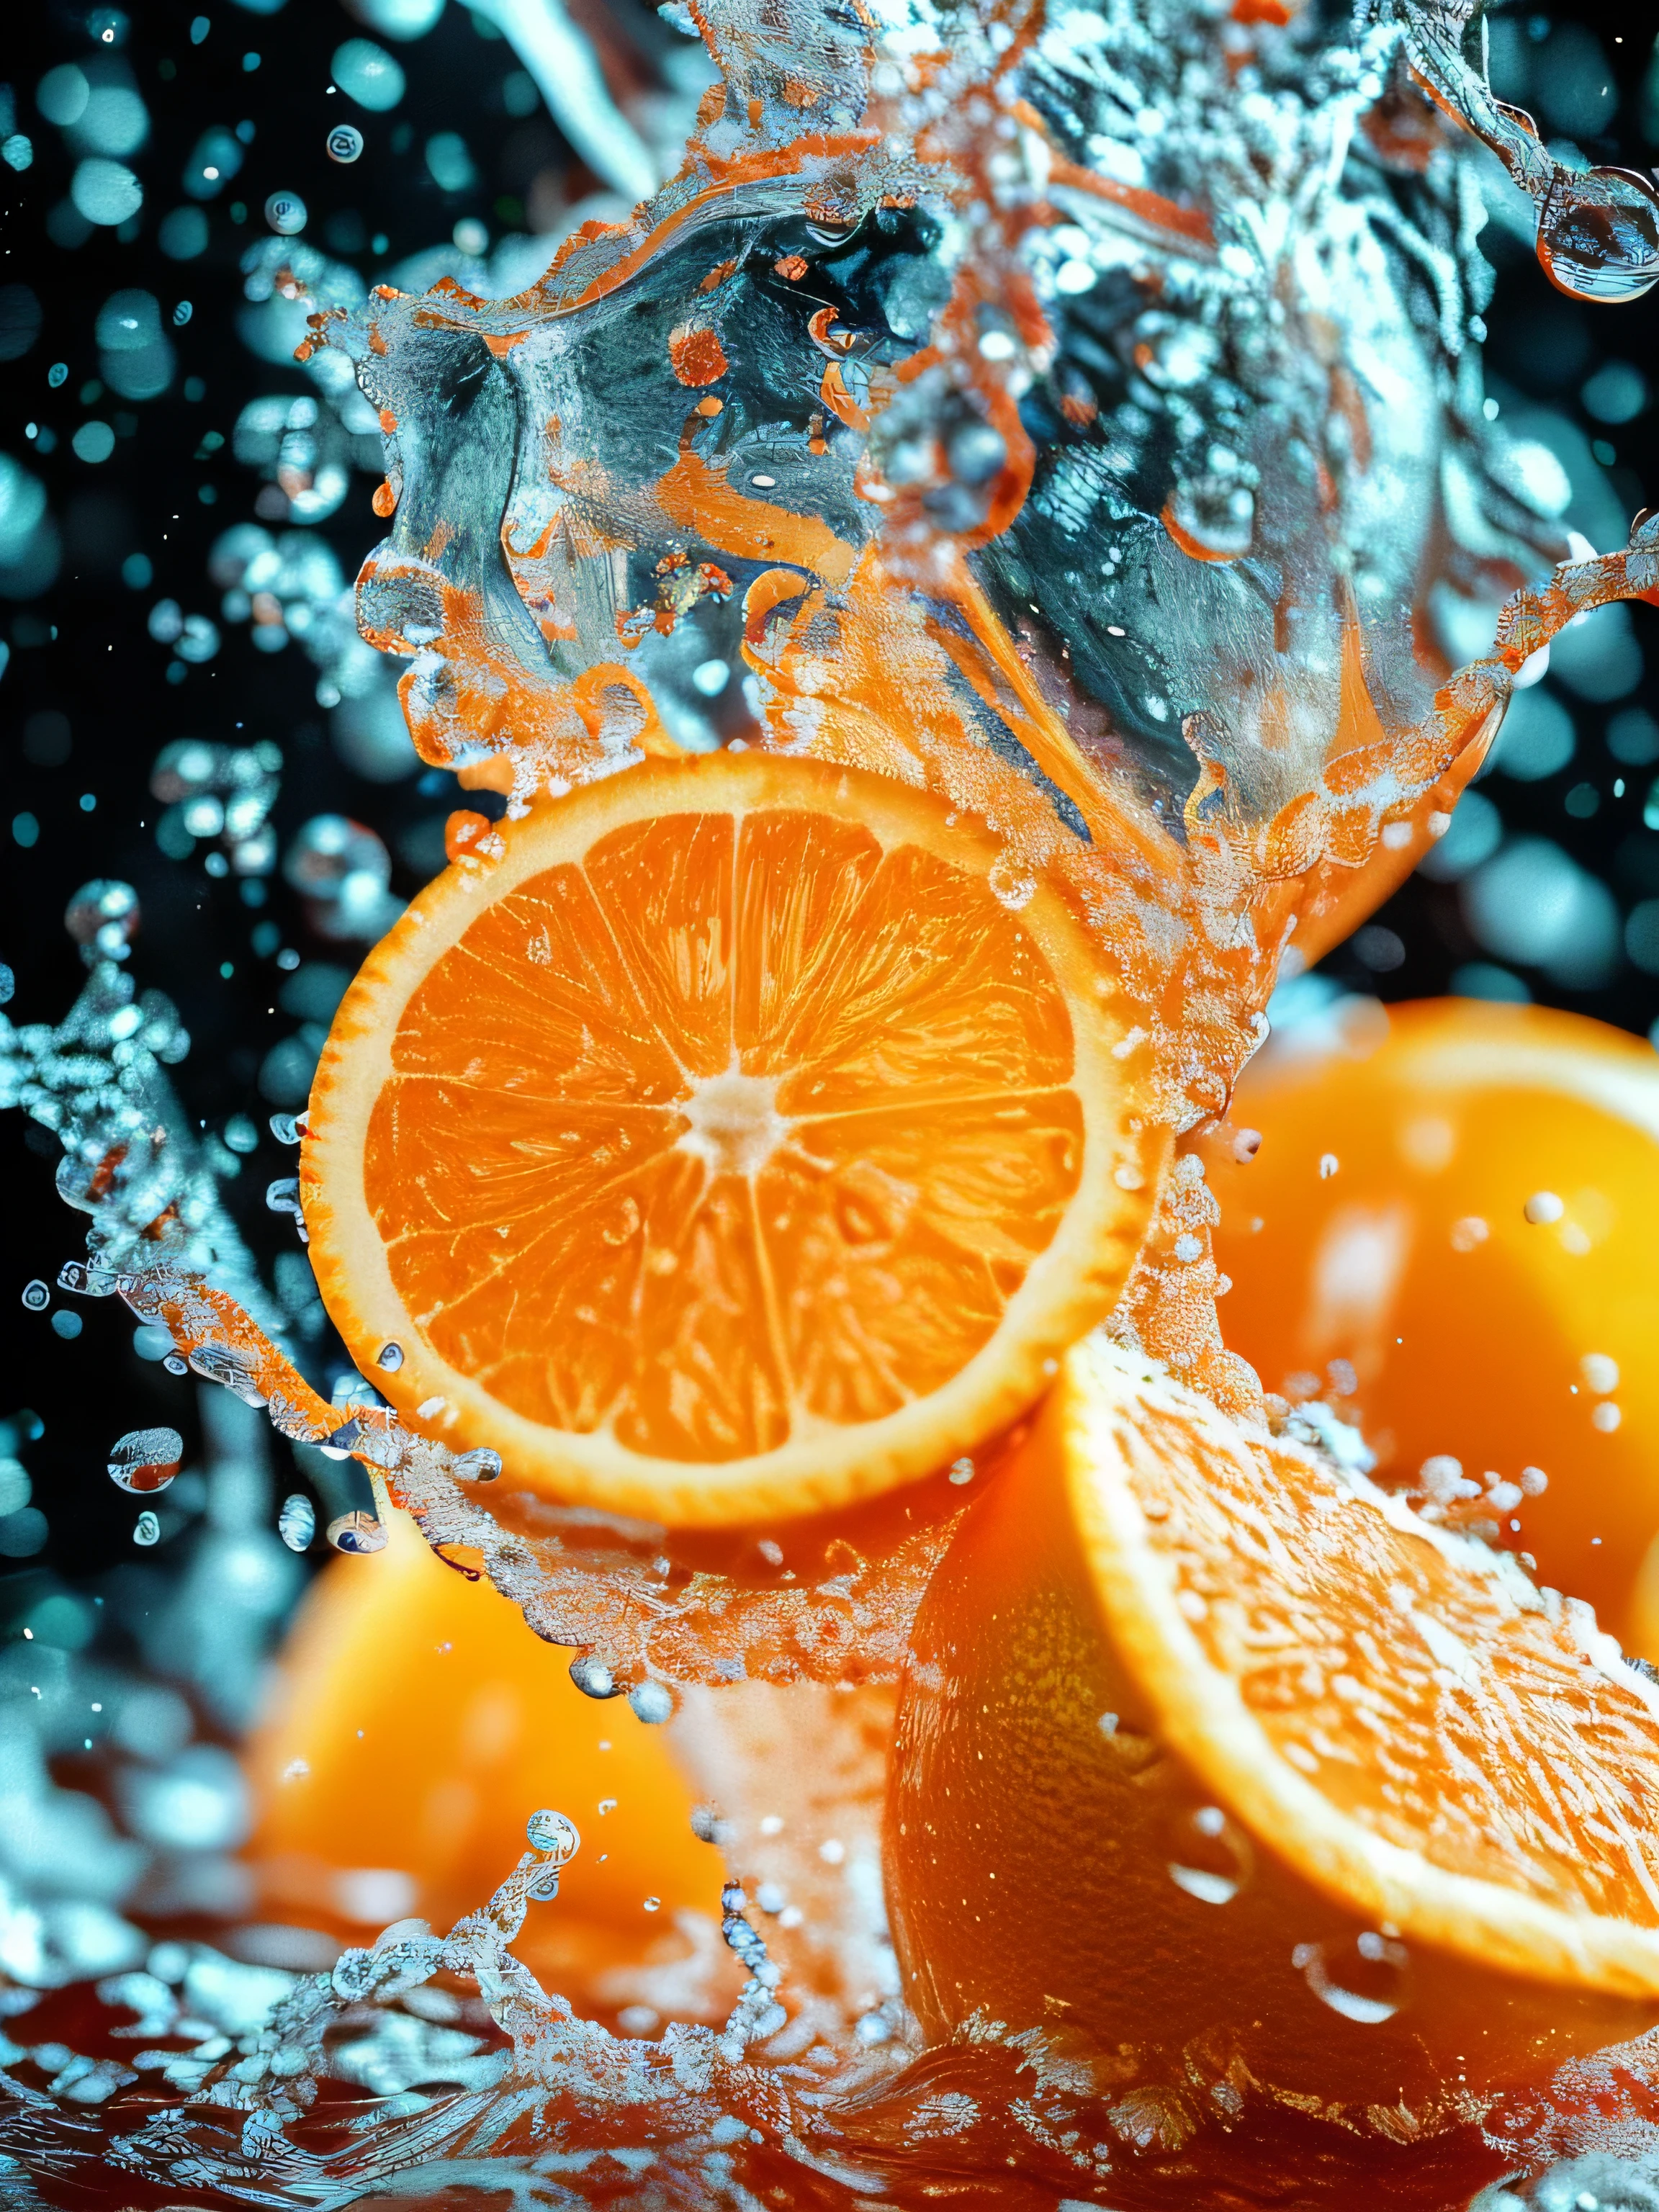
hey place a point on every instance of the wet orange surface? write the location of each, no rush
(1384, 1223)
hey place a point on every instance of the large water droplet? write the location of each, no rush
(1367, 1978)
(297, 1524)
(357, 1532)
(593, 1677)
(1598, 234)
(146, 1459)
(1210, 1856)
(481, 1465)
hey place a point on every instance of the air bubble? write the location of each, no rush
(345, 143)
(1012, 883)
(390, 1357)
(1542, 1209)
(297, 1524)
(357, 1532)
(286, 213)
(36, 1297)
(176, 1363)
(1367, 1979)
(146, 1460)
(147, 1529)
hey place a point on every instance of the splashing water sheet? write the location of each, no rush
(1074, 413)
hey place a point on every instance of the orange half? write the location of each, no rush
(739, 1139)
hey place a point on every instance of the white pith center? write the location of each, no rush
(736, 1126)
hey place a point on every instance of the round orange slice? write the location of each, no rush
(1221, 1758)
(737, 1138)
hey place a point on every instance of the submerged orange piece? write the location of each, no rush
(1384, 1223)
(744, 1139)
(415, 1725)
(1224, 1760)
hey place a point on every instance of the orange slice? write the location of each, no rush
(1223, 1758)
(727, 1145)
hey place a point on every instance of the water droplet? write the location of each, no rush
(345, 143)
(285, 1128)
(176, 1365)
(1542, 1209)
(1598, 234)
(962, 1471)
(146, 1460)
(1012, 882)
(652, 1702)
(390, 1357)
(147, 1529)
(36, 1296)
(297, 1524)
(103, 914)
(1367, 1979)
(1210, 1856)
(653, 1904)
(481, 1465)
(286, 213)
(554, 1833)
(357, 1532)
(593, 1677)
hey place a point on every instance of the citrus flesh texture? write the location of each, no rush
(1381, 1236)
(1215, 1757)
(414, 1726)
(735, 1140)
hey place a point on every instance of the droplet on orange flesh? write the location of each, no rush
(1216, 1760)
(1481, 1257)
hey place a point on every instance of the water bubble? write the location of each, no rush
(593, 1677)
(653, 1904)
(297, 1524)
(176, 1365)
(345, 143)
(481, 1465)
(146, 1459)
(357, 1532)
(1367, 1979)
(1210, 1856)
(652, 1702)
(147, 1529)
(1542, 1209)
(1598, 234)
(36, 1296)
(286, 213)
(390, 1357)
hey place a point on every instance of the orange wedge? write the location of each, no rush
(1449, 1230)
(1225, 1761)
(738, 1137)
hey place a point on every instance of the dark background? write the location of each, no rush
(81, 650)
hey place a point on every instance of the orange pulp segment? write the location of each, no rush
(736, 1141)
(1220, 1757)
